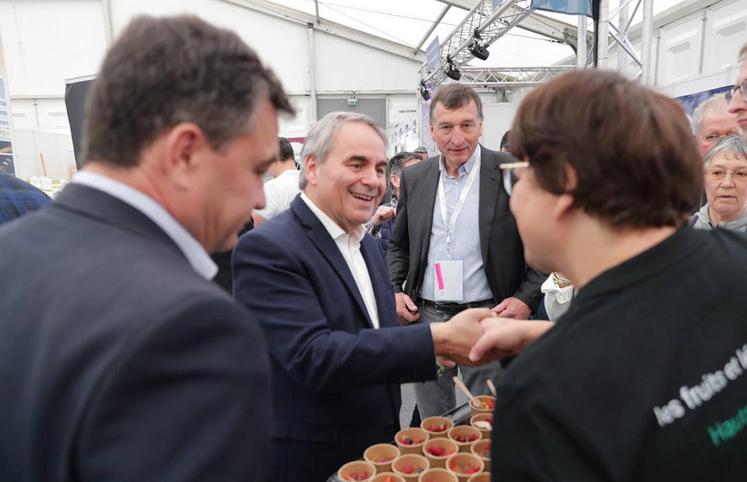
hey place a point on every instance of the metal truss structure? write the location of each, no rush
(510, 76)
(491, 22)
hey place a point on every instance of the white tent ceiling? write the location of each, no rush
(406, 22)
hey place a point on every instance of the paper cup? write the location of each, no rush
(357, 471)
(410, 466)
(437, 475)
(387, 477)
(381, 456)
(437, 426)
(464, 436)
(484, 423)
(464, 465)
(481, 448)
(411, 440)
(482, 404)
(481, 477)
(437, 450)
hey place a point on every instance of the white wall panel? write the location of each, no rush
(280, 44)
(725, 33)
(47, 42)
(679, 50)
(345, 65)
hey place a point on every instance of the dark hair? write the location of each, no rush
(632, 151)
(397, 163)
(455, 95)
(504, 139)
(165, 71)
(286, 150)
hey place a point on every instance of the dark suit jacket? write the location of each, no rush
(335, 379)
(500, 244)
(117, 361)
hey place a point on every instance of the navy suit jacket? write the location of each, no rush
(118, 362)
(335, 378)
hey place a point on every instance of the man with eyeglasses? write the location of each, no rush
(645, 376)
(737, 96)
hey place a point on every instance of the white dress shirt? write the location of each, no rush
(279, 193)
(350, 248)
(193, 251)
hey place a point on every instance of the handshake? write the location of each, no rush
(480, 335)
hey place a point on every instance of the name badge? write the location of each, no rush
(449, 283)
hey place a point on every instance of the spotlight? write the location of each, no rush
(477, 49)
(424, 91)
(451, 71)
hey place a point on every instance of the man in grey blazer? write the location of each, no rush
(455, 244)
(119, 359)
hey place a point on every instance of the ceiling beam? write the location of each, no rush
(331, 28)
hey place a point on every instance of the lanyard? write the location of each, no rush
(450, 220)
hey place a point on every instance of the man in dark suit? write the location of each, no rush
(319, 286)
(119, 359)
(455, 243)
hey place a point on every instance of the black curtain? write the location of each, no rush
(75, 103)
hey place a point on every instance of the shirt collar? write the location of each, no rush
(465, 168)
(334, 229)
(193, 251)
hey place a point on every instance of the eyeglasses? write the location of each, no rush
(509, 175)
(718, 174)
(741, 88)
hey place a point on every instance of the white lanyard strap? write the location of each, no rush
(450, 221)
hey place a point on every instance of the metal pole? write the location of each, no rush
(581, 43)
(108, 29)
(603, 35)
(312, 71)
(647, 30)
(316, 9)
(622, 22)
(433, 27)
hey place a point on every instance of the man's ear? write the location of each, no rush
(183, 152)
(394, 180)
(310, 169)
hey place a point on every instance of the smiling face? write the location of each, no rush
(456, 132)
(726, 187)
(348, 185)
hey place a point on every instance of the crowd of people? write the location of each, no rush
(121, 360)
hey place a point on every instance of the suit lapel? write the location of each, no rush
(423, 216)
(379, 279)
(320, 237)
(489, 190)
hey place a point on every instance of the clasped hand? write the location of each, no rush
(478, 335)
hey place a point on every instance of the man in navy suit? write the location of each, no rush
(119, 359)
(319, 286)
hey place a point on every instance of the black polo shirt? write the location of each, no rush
(645, 377)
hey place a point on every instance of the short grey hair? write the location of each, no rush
(321, 137)
(733, 145)
(711, 103)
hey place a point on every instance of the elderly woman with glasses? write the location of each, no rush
(725, 172)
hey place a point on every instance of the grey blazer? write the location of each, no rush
(500, 244)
